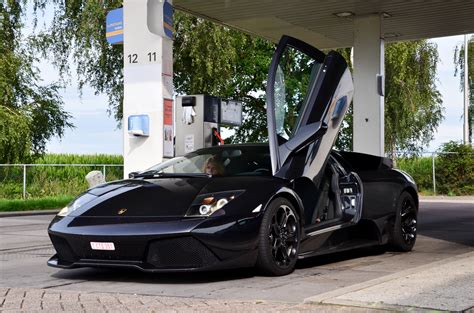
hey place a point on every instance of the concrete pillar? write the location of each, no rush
(148, 74)
(368, 85)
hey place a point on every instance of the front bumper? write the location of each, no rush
(156, 245)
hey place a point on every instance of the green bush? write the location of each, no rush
(455, 171)
(420, 168)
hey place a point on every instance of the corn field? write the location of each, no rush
(53, 175)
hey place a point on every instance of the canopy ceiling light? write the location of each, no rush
(392, 35)
(344, 14)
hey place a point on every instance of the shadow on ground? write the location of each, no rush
(449, 222)
(132, 275)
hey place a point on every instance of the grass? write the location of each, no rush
(52, 187)
(57, 202)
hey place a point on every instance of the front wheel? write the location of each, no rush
(279, 238)
(403, 235)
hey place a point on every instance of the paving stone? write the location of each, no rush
(4, 291)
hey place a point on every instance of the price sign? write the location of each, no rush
(231, 113)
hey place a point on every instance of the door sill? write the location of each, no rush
(325, 227)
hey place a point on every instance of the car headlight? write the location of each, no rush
(76, 204)
(205, 205)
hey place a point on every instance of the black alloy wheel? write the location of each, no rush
(279, 238)
(408, 222)
(405, 226)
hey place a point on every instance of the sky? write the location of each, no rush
(449, 86)
(97, 132)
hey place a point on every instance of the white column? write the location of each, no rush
(368, 103)
(466, 92)
(148, 70)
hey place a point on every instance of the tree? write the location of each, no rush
(459, 69)
(231, 65)
(213, 59)
(31, 113)
(413, 105)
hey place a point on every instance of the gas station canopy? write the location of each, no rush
(329, 23)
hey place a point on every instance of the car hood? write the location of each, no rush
(127, 198)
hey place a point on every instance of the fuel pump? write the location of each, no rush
(198, 119)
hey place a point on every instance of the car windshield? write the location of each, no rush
(220, 161)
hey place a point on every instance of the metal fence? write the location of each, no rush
(15, 174)
(70, 179)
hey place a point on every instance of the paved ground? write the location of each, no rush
(438, 274)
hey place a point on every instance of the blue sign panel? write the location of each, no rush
(139, 125)
(168, 19)
(114, 26)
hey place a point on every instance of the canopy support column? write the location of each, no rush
(369, 73)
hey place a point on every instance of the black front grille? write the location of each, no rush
(63, 249)
(184, 252)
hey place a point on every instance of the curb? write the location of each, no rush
(467, 201)
(27, 213)
(330, 297)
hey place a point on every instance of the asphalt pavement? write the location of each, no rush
(438, 274)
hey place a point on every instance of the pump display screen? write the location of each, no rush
(231, 113)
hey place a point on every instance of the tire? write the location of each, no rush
(279, 239)
(403, 235)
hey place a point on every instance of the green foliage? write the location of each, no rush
(15, 136)
(459, 62)
(36, 108)
(455, 171)
(230, 65)
(413, 105)
(53, 158)
(217, 60)
(420, 168)
(10, 205)
(77, 32)
(43, 181)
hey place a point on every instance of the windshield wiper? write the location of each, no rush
(158, 174)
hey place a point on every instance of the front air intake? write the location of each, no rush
(183, 252)
(63, 249)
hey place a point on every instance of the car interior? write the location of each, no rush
(328, 205)
(246, 163)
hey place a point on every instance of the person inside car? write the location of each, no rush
(213, 166)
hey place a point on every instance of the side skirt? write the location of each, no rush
(345, 247)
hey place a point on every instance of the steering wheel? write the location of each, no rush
(261, 170)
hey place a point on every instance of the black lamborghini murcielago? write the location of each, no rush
(264, 205)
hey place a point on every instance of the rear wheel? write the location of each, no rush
(279, 238)
(404, 229)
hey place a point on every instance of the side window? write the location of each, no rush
(295, 73)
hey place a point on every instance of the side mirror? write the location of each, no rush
(132, 174)
(339, 108)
